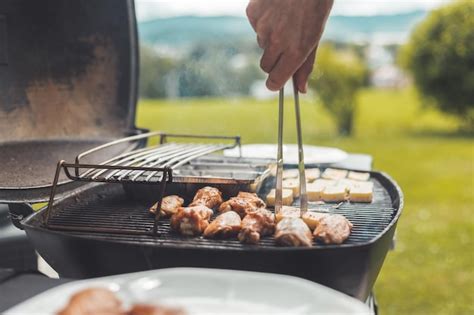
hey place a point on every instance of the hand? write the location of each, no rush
(289, 32)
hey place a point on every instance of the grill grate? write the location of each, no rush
(102, 217)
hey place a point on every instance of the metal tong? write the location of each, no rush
(301, 167)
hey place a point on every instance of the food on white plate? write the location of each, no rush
(169, 205)
(101, 301)
(312, 174)
(335, 174)
(225, 225)
(293, 232)
(150, 309)
(291, 173)
(243, 203)
(335, 193)
(362, 192)
(333, 229)
(286, 200)
(192, 220)
(293, 184)
(312, 219)
(360, 176)
(93, 301)
(287, 212)
(255, 225)
(207, 196)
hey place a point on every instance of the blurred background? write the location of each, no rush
(393, 79)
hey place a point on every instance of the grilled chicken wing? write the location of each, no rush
(333, 229)
(243, 204)
(256, 224)
(312, 219)
(147, 309)
(208, 196)
(293, 232)
(93, 301)
(169, 205)
(225, 225)
(191, 220)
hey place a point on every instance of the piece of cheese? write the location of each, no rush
(314, 192)
(312, 219)
(312, 174)
(291, 173)
(293, 184)
(362, 192)
(287, 212)
(324, 183)
(347, 183)
(335, 193)
(287, 197)
(358, 176)
(331, 173)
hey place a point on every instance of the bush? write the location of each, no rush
(440, 55)
(336, 79)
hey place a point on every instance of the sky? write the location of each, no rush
(149, 9)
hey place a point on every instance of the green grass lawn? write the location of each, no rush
(432, 269)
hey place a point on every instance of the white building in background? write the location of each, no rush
(388, 76)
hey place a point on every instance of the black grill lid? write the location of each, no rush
(68, 82)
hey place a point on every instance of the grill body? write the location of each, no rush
(351, 268)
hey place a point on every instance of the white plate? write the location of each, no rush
(207, 291)
(312, 154)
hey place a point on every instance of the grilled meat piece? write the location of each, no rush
(243, 204)
(293, 232)
(333, 229)
(225, 225)
(191, 220)
(287, 212)
(207, 196)
(148, 309)
(93, 301)
(256, 224)
(312, 219)
(169, 205)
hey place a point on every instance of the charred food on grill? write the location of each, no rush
(243, 204)
(333, 229)
(255, 225)
(169, 205)
(207, 196)
(225, 225)
(293, 232)
(192, 220)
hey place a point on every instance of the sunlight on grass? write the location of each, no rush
(431, 270)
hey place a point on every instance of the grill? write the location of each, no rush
(97, 222)
(115, 212)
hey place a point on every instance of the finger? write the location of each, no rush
(269, 59)
(253, 12)
(262, 43)
(283, 71)
(302, 74)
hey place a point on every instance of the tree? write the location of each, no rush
(440, 55)
(153, 73)
(336, 79)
